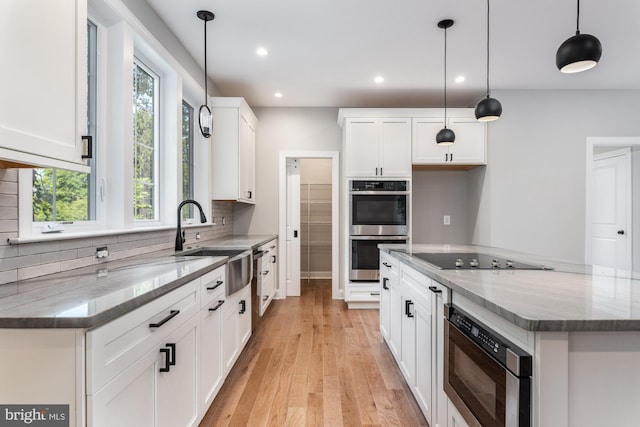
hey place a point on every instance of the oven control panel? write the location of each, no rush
(378, 185)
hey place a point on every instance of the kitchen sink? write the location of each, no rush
(239, 265)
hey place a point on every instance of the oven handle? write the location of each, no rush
(380, 193)
(379, 237)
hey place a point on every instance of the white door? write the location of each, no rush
(292, 261)
(611, 234)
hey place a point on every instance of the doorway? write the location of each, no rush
(308, 220)
(612, 239)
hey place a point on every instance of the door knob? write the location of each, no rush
(621, 232)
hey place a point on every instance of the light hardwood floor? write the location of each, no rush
(312, 362)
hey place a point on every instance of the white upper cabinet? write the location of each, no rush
(378, 147)
(233, 150)
(469, 147)
(43, 83)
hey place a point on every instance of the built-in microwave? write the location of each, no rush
(486, 377)
(379, 208)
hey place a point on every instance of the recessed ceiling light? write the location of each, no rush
(379, 79)
(460, 79)
(278, 95)
(262, 51)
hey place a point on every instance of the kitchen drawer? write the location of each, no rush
(212, 286)
(115, 346)
(417, 284)
(389, 263)
(362, 293)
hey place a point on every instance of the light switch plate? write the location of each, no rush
(447, 220)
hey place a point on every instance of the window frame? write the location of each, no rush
(188, 213)
(140, 61)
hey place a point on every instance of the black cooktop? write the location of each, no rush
(467, 261)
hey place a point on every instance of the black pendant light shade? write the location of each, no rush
(580, 52)
(489, 109)
(205, 118)
(445, 136)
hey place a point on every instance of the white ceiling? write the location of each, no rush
(327, 52)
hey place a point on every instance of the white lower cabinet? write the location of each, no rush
(416, 334)
(210, 360)
(162, 364)
(159, 389)
(236, 326)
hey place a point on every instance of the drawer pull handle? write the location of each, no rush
(374, 294)
(167, 361)
(273, 259)
(243, 306)
(273, 247)
(385, 280)
(435, 290)
(266, 297)
(386, 264)
(264, 273)
(172, 314)
(217, 285)
(218, 305)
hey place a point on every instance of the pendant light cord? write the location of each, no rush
(488, 48)
(445, 77)
(205, 63)
(578, 19)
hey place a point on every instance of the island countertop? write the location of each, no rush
(568, 298)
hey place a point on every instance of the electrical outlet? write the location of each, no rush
(447, 220)
(102, 252)
(224, 222)
(198, 236)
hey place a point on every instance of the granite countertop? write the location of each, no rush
(568, 298)
(90, 296)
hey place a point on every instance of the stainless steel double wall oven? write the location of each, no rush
(378, 213)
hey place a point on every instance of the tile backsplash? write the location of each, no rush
(27, 260)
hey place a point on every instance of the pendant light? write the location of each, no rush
(580, 52)
(489, 109)
(445, 136)
(205, 118)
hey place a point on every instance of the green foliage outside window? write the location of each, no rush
(144, 104)
(60, 195)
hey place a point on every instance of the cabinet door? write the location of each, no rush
(470, 147)
(247, 161)
(230, 345)
(385, 305)
(424, 361)
(425, 149)
(408, 340)
(43, 82)
(361, 144)
(244, 316)
(396, 314)
(395, 147)
(210, 360)
(177, 389)
(128, 400)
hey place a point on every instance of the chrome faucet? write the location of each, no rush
(180, 234)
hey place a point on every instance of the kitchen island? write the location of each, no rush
(582, 330)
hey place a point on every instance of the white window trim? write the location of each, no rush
(112, 213)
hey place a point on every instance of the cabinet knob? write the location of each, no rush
(621, 232)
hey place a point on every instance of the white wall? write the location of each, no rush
(282, 129)
(532, 197)
(635, 225)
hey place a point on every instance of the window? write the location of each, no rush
(187, 158)
(64, 196)
(145, 141)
